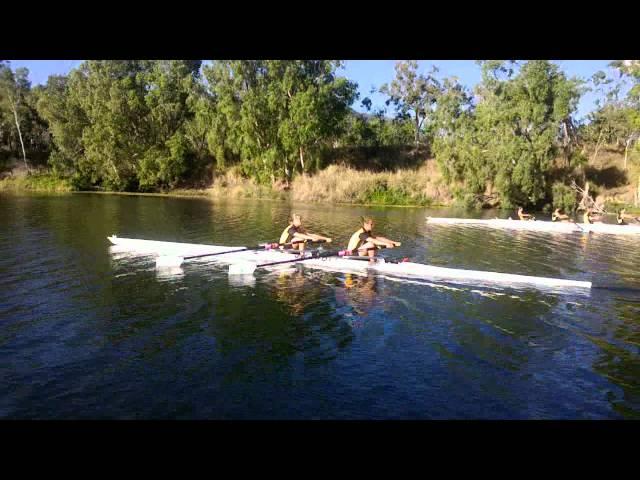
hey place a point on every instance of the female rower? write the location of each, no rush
(590, 218)
(622, 217)
(365, 242)
(556, 216)
(296, 233)
(524, 216)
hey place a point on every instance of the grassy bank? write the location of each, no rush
(343, 185)
(412, 185)
(339, 184)
(231, 184)
(38, 182)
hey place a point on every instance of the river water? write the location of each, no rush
(85, 333)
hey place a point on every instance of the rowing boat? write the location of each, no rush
(347, 265)
(540, 226)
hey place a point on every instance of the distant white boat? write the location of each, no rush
(540, 226)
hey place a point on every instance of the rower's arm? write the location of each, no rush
(316, 237)
(310, 236)
(385, 242)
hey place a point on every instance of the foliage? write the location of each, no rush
(413, 94)
(273, 116)
(564, 197)
(509, 139)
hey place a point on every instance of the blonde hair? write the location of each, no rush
(293, 216)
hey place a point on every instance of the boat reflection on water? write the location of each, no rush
(294, 289)
(169, 274)
(245, 280)
(360, 293)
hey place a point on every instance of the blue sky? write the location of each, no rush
(368, 73)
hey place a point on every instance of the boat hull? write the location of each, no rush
(401, 269)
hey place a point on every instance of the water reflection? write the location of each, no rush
(360, 293)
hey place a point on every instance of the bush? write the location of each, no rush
(564, 197)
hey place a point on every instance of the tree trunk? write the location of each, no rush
(115, 169)
(417, 130)
(565, 142)
(15, 116)
(302, 159)
(626, 151)
(595, 154)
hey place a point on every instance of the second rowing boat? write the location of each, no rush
(540, 226)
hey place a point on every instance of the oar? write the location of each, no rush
(176, 261)
(578, 225)
(247, 268)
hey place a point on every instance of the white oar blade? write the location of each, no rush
(165, 261)
(242, 268)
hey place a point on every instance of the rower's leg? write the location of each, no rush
(367, 249)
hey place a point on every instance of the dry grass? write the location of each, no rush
(626, 192)
(231, 184)
(340, 184)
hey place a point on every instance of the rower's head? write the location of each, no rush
(367, 223)
(295, 220)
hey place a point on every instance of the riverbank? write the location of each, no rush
(37, 182)
(337, 184)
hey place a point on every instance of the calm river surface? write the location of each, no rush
(87, 334)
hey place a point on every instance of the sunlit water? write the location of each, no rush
(88, 334)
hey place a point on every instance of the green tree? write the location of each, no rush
(273, 114)
(611, 123)
(412, 93)
(631, 70)
(66, 121)
(14, 88)
(122, 124)
(509, 139)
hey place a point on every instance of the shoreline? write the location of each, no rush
(47, 184)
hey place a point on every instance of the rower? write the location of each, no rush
(622, 217)
(589, 218)
(295, 232)
(365, 242)
(556, 216)
(524, 216)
